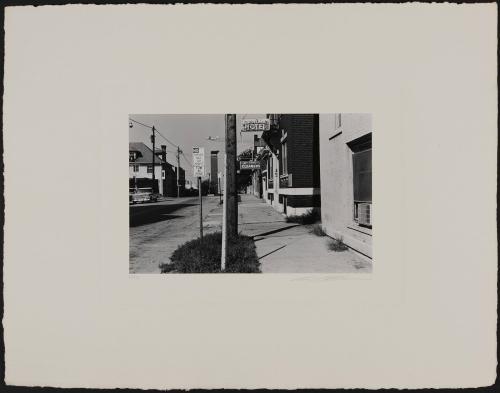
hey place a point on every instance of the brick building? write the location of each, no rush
(290, 164)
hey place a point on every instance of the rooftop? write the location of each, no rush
(145, 155)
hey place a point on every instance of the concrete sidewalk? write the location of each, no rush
(291, 248)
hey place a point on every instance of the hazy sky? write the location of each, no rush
(188, 131)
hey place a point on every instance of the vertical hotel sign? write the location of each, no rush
(198, 161)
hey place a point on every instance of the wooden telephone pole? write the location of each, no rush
(230, 205)
(153, 142)
(178, 171)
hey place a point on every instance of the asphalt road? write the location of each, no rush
(157, 229)
(149, 213)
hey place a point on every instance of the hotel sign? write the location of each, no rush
(249, 165)
(256, 125)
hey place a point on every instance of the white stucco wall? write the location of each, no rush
(337, 179)
(143, 172)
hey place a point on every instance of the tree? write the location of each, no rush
(245, 155)
(244, 177)
(205, 185)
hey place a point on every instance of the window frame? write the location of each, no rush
(360, 145)
(284, 158)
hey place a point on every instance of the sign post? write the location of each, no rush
(198, 171)
(201, 209)
(224, 218)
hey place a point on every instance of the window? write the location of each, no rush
(150, 168)
(270, 175)
(284, 158)
(136, 168)
(362, 180)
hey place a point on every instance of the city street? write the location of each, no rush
(296, 222)
(157, 229)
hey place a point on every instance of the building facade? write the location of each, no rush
(214, 171)
(346, 179)
(141, 167)
(141, 170)
(290, 163)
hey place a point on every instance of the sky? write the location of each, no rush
(188, 131)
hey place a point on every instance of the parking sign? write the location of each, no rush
(198, 161)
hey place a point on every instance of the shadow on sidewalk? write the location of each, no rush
(274, 231)
(271, 252)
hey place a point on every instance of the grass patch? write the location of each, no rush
(317, 229)
(204, 257)
(312, 216)
(337, 244)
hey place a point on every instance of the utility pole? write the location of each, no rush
(230, 179)
(230, 204)
(153, 142)
(179, 151)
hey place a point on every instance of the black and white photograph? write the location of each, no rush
(312, 196)
(250, 193)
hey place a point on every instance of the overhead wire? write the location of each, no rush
(156, 129)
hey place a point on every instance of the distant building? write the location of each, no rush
(214, 170)
(346, 178)
(141, 167)
(169, 173)
(290, 179)
(141, 170)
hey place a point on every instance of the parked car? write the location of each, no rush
(142, 195)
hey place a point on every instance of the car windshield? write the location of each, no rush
(145, 190)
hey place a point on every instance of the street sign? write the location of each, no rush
(198, 161)
(256, 125)
(249, 165)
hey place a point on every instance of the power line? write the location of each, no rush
(186, 159)
(172, 143)
(138, 122)
(151, 127)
